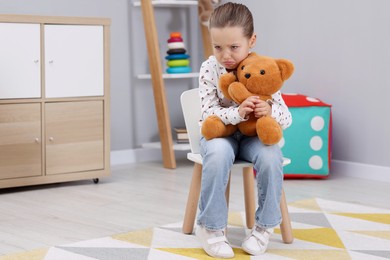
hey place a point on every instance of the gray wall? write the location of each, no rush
(340, 50)
(122, 126)
(133, 120)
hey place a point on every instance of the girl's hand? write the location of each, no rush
(248, 106)
(262, 108)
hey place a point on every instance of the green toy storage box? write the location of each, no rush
(307, 142)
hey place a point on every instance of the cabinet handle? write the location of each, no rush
(37, 140)
(51, 61)
(36, 61)
(51, 139)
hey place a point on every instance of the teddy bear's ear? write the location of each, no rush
(252, 54)
(286, 68)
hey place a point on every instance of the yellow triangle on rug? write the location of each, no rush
(379, 234)
(380, 218)
(198, 253)
(141, 237)
(324, 236)
(312, 254)
(310, 204)
(36, 254)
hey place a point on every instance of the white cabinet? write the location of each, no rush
(56, 127)
(20, 60)
(73, 60)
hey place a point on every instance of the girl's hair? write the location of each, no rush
(232, 15)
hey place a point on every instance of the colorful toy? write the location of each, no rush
(178, 63)
(177, 56)
(184, 69)
(178, 60)
(256, 75)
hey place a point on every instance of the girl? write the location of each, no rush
(232, 36)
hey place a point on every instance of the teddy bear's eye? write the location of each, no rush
(262, 72)
(242, 67)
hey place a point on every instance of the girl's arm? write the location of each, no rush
(211, 99)
(280, 111)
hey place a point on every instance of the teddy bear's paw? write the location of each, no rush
(248, 128)
(239, 92)
(268, 130)
(224, 81)
(213, 127)
(230, 129)
(228, 78)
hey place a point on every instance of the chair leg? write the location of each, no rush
(285, 226)
(249, 196)
(193, 199)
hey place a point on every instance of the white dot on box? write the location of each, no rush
(315, 162)
(316, 143)
(317, 123)
(281, 142)
(310, 99)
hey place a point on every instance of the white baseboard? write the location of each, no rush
(138, 155)
(361, 170)
(341, 168)
(134, 156)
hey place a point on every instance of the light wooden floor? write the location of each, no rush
(135, 197)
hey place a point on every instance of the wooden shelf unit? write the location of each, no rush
(157, 76)
(54, 115)
(171, 76)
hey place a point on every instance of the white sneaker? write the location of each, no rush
(257, 242)
(214, 243)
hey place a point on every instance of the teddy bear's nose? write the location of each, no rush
(247, 75)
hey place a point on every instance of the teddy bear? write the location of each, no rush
(256, 75)
(205, 8)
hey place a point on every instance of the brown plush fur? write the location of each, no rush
(256, 75)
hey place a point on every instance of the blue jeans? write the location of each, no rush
(218, 157)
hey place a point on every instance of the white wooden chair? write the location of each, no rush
(191, 110)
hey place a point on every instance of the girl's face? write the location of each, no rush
(230, 46)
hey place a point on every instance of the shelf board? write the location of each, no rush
(176, 146)
(171, 76)
(170, 3)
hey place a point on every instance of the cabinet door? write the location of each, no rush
(20, 140)
(74, 136)
(73, 60)
(20, 53)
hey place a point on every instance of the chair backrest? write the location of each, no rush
(190, 104)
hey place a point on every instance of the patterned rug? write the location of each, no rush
(323, 229)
